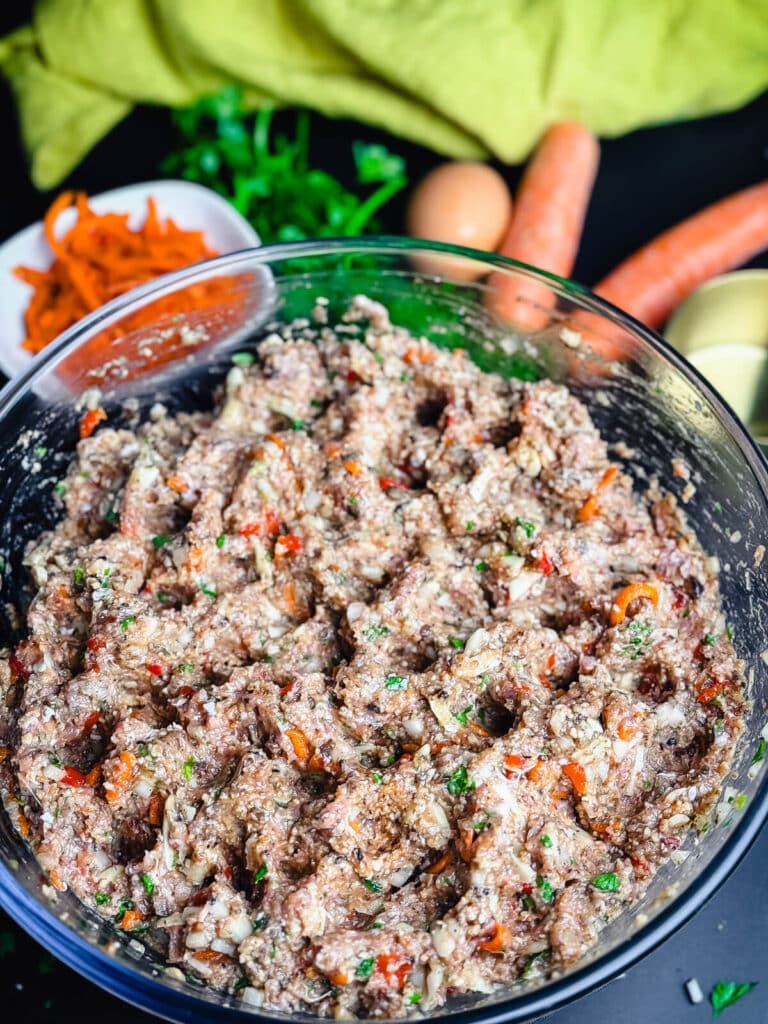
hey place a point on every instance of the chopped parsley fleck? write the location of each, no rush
(726, 993)
(104, 578)
(527, 901)
(160, 541)
(479, 826)
(470, 525)
(718, 726)
(259, 922)
(188, 767)
(481, 566)
(457, 642)
(221, 540)
(352, 499)
(640, 638)
(208, 590)
(162, 596)
(101, 898)
(243, 358)
(78, 578)
(545, 888)
(125, 623)
(546, 841)
(526, 526)
(315, 403)
(373, 925)
(710, 639)
(59, 488)
(459, 782)
(461, 716)
(372, 632)
(607, 882)
(148, 883)
(396, 682)
(759, 754)
(378, 778)
(543, 954)
(404, 376)
(143, 750)
(54, 759)
(298, 425)
(414, 997)
(261, 872)
(187, 666)
(738, 801)
(370, 884)
(40, 451)
(717, 507)
(365, 968)
(125, 905)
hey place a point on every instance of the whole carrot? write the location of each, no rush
(547, 221)
(656, 279)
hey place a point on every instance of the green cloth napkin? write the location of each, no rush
(466, 77)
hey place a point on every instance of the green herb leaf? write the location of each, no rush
(101, 898)
(526, 526)
(208, 590)
(298, 425)
(123, 907)
(396, 682)
(370, 884)
(414, 997)
(545, 888)
(375, 163)
(710, 639)
(59, 488)
(160, 541)
(365, 968)
(221, 540)
(148, 883)
(40, 451)
(261, 872)
(243, 358)
(126, 622)
(78, 578)
(543, 954)
(187, 666)
(188, 767)
(759, 754)
(461, 716)
(470, 525)
(726, 993)
(459, 782)
(481, 566)
(546, 841)
(377, 778)
(606, 883)
(456, 642)
(373, 632)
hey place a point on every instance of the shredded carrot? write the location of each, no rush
(22, 824)
(288, 542)
(195, 559)
(299, 742)
(57, 881)
(627, 727)
(4, 753)
(98, 258)
(338, 979)
(121, 776)
(211, 955)
(394, 968)
(534, 774)
(514, 761)
(478, 729)
(440, 864)
(355, 826)
(631, 593)
(93, 778)
(578, 777)
(591, 506)
(276, 440)
(131, 919)
(353, 467)
(90, 421)
(177, 483)
(710, 692)
(500, 941)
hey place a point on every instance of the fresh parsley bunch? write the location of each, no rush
(269, 180)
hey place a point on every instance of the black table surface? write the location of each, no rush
(647, 181)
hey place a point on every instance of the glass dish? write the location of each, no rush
(172, 340)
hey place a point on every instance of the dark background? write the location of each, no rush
(648, 180)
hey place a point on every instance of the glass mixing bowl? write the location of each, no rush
(172, 341)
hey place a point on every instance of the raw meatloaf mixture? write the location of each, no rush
(375, 686)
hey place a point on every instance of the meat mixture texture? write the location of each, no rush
(375, 686)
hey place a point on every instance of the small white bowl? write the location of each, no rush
(191, 206)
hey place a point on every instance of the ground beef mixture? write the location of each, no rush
(377, 685)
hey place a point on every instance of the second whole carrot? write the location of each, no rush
(651, 283)
(547, 221)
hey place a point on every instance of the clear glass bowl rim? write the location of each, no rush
(151, 994)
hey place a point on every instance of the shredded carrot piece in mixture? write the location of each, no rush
(631, 593)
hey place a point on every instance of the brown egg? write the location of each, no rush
(463, 203)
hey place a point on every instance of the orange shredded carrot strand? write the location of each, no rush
(99, 257)
(299, 742)
(177, 483)
(131, 919)
(500, 941)
(591, 506)
(577, 776)
(440, 864)
(353, 467)
(90, 421)
(632, 592)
